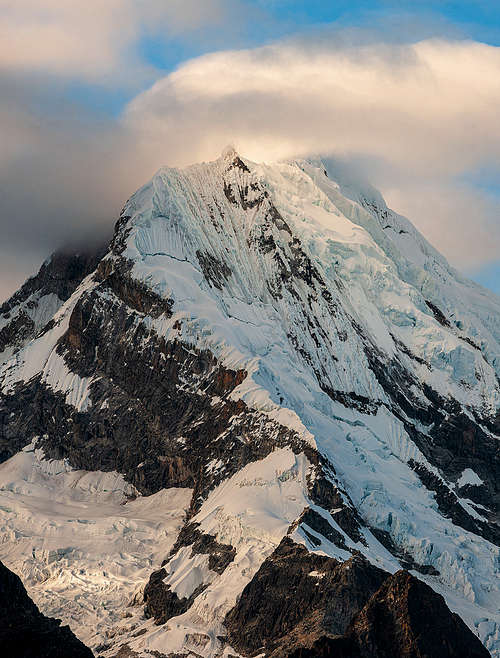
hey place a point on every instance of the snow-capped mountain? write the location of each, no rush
(229, 434)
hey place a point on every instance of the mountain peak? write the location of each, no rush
(229, 152)
(231, 158)
(284, 363)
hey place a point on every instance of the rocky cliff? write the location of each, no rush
(25, 632)
(292, 363)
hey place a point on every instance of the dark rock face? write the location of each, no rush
(296, 593)
(326, 494)
(455, 441)
(153, 428)
(408, 614)
(59, 275)
(214, 271)
(404, 618)
(25, 632)
(438, 314)
(220, 555)
(135, 294)
(161, 603)
(18, 331)
(450, 507)
(316, 521)
(302, 604)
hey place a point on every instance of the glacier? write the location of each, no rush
(353, 333)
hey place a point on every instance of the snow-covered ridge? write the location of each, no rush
(387, 270)
(29, 310)
(352, 331)
(39, 357)
(382, 274)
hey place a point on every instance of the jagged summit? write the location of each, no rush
(286, 383)
(229, 154)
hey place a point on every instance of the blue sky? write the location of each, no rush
(73, 81)
(270, 20)
(475, 20)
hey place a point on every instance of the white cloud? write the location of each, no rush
(419, 115)
(433, 103)
(414, 117)
(69, 37)
(457, 219)
(93, 39)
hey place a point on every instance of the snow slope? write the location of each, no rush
(81, 542)
(344, 318)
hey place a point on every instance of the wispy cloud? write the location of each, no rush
(415, 117)
(433, 103)
(78, 38)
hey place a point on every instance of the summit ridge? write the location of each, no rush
(282, 381)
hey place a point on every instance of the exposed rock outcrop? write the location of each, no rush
(25, 632)
(262, 318)
(404, 618)
(33, 305)
(296, 594)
